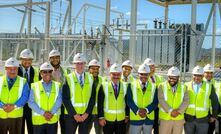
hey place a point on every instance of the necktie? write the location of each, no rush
(144, 87)
(152, 79)
(10, 83)
(26, 75)
(81, 81)
(115, 90)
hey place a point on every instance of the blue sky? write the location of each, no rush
(10, 19)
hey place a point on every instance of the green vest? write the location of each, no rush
(36, 74)
(199, 103)
(173, 100)
(100, 81)
(142, 100)
(80, 97)
(114, 109)
(44, 102)
(130, 79)
(217, 86)
(11, 96)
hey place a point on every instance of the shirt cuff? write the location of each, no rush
(147, 110)
(101, 117)
(170, 110)
(137, 112)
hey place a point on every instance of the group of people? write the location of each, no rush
(119, 103)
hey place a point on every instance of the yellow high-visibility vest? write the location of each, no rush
(142, 100)
(174, 100)
(79, 97)
(199, 103)
(45, 102)
(100, 81)
(11, 96)
(114, 109)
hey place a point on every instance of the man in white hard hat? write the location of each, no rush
(208, 77)
(78, 98)
(201, 94)
(14, 93)
(93, 68)
(59, 73)
(45, 101)
(126, 71)
(112, 110)
(142, 101)
(156, 79)
(173, 99)
(31, 74)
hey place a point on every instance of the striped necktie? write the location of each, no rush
(81, 81)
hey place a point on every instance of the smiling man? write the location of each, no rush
(14, 93)
(78, 98)
(45, 101)
(173, 99)
(201, 94)
(31, 74)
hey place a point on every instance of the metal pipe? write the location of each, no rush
(133, 20)
(192, 60)
(214, 35)
(29, 21)
(22, 4)
(47, 31)
(69, 17)
(166, 14)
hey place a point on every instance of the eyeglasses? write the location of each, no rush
(46, 72)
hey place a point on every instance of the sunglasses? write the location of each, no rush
(46, 72)
(172, 78)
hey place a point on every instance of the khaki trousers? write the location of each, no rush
(171, 126)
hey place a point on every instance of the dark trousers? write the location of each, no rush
(11, 125)
(45, 129)
(212, 126)
(27, 116)
(97, 127)
(156, 121)
(195, 127)
(115, 128)
(71, 125)
(61, 120)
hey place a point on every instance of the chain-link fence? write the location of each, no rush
(167, 47)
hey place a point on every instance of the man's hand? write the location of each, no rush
(102, 122)
(142, 112)
(8, 107)
(126, 119)
(84, 116)
(78, 118)
(212, 119)
(48, 116)
(174, 113)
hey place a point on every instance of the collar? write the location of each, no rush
(50, 82)
(8, 79)
(142, 82)
(23, 69)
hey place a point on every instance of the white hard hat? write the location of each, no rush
(79, 58)
(173, 71)
(144, 69)
(209, 68)
(12, 62)
(26, 54)
(198, 70)
(94, 62)
(115, 68)
(54, 53)
(149, 61)
(46, 66)
(127, 63)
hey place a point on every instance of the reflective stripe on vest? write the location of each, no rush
(113, 113)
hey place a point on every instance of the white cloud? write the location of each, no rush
(114, 7)
(129, 13)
